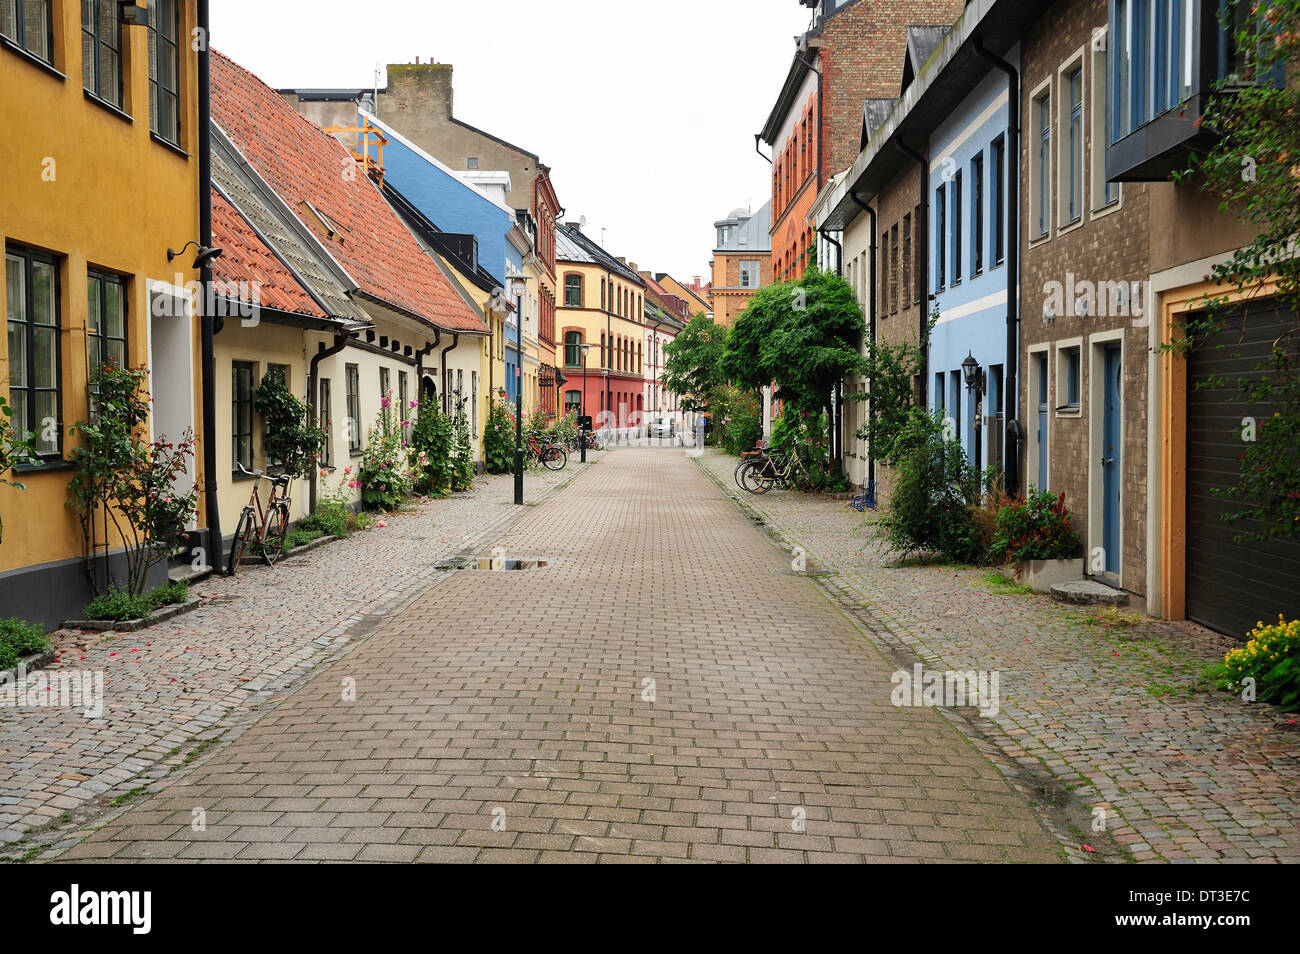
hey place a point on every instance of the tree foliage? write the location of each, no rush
(693, 361)
(801, 336)
(1253, 167)
(291, 441)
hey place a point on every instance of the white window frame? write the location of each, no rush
(1031, 402)
(1060, 409)
(1078, 60)
(1035, 137)
(1097, 82)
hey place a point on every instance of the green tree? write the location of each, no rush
(693, 361)
(891, 371)
(1252, 167)
(14, 449)
(801, 336)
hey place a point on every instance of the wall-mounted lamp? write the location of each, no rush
(973, 373)
(203, 255)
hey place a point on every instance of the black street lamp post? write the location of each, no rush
(976, 383)
(582, 405)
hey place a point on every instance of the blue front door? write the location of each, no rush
(1111, 440)
(1042, 421)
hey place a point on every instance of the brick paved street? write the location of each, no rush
(1107, 711)
(665, 689)
(173, 685)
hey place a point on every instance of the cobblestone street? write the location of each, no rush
(665, 688)
(170, 688)
(1103, 704)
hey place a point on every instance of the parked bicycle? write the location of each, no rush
(550, 455)
(261, 530)
(765, 470)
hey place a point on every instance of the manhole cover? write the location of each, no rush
(492, 564)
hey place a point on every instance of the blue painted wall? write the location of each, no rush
(450, 203)
(971, 302)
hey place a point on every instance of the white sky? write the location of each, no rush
(685, 83)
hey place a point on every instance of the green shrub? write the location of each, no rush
(937, 490)
(463, 466)
(116, 604)
(1271, 657)
(432, 435)
(384, 475)
(299, 537)
(19, 638)
(171, 592)
(737, 418)
(1035, 528)
(499, 439)
(290, 440)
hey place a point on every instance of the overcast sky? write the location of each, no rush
(684, 85)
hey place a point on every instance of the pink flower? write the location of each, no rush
(347, 470)
(380, 523)
(353, 484)
(386, 402)
(415, 404)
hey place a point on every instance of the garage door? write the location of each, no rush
(1231, 585)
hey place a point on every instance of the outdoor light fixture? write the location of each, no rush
(203, 256)
(131, 15)
(973, 373)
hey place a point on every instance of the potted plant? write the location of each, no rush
(1034, 535)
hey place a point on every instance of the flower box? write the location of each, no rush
(1042, 575)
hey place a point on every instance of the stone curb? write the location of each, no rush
(134, 625)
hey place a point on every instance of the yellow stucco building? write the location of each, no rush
(98, 179)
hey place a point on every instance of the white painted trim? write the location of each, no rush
(974, 306)
(1062, 119)
(1096, 399)
(1031, 400)
(1063, 344)
(1035, 134)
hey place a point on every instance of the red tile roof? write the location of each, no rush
(245, 258)
(305, 165)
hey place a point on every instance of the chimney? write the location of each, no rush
(573, 225)
(631, 265)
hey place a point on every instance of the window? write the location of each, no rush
(164, 70)
(273, 372)
(403, 401)
(1040, 175)
(105, 320)
(473, 406)
(1072, 148)
(471, 162)
(749, 274)
(977, 215)
(1150, 50)
(573, 291)
(906, 282)
(956, 227)
(1103, 193)
(35, 376)
(101, 50)
(28, 24)
(602, 294)
(893, 269)
(1068, 377)
(940, 233)
(241, 414)
(917, 240)
(572, 402)
(572, 349)
(385, 387)
(326, 419)
(352, 384)
(604, 359)
(996, 201)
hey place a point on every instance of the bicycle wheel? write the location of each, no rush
(244, 533)
(762, 477)
(747, 476)
(277, 525)
(555, 457)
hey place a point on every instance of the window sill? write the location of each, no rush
(1069, 410)
(47, 463)
(32, 58)
(238, 476)
(1111, 206)
(109, 107)
(1070, 226)
(169, 145)
(354, 454)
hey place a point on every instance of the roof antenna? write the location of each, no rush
(602, 236)
(378, 70)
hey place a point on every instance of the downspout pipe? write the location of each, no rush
(446, 391)
(313, 399)
(923, 263)
(208, 330)
(871, 321)
(419, 359)
(1010, 382)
